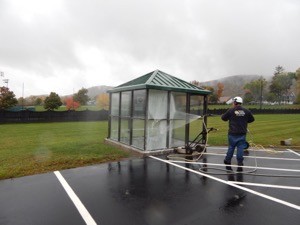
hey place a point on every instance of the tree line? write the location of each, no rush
(278, 90)
(52, 101)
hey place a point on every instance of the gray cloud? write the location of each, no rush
(109, 42)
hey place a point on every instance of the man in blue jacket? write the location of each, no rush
(238, 118)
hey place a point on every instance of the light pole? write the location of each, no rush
(4, 80)
(23, 96)
(1, 74)
(261, 92)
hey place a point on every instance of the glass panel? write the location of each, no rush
(195, 129)
(196, 105)
(178, 105)
(139, 102)
(114, 128)
(157, 120)
(115, 97)
(178, 118)
(138, 130)
(158, 104)
(126, 103)
(196, 108)
(177, 133)
(125, 131)
(156, 134)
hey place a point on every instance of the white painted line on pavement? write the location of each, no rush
(251, 167)
(258, 157)
(291, 205)
(265, 185)
(249, 149)
(80, 207)
(296, 153)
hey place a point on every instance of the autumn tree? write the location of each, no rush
(71, 104)
(38, 101)
(271, 97)
(278, 70)
(281, 83)
(21, 101)
(248, 97)
(103, 101)
(7, 98)
(52, 101)
(31, 100)
(213, 97)
(256, 88)
(81, 96)
(220, 90)
(196, 83)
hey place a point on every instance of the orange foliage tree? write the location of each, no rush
(71, 104)
(103, 101)
(220, 90)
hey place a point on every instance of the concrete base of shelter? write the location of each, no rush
(136, 150)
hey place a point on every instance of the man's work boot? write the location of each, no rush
(240, 168)
(228, 167)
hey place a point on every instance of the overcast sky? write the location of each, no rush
(64, 45)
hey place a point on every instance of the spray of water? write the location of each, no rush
(159, 126)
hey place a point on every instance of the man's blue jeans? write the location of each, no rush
(236, 141)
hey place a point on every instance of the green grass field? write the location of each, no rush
(42, 147)
(267, 130)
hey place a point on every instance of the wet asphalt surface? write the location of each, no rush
(148, 191)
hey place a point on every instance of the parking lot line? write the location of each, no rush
(296, 153)
(250, 167)
(258, 157)
(80, 207)
(266, 185)
(291, 205)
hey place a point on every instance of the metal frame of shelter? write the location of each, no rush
(135, 118)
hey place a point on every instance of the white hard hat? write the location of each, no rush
(238, 99)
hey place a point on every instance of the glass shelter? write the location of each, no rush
(153, 112)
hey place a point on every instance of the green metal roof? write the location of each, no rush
(161, 81)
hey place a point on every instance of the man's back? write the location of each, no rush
(238, 117)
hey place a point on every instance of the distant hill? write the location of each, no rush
(233, 85)
(96, 90)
